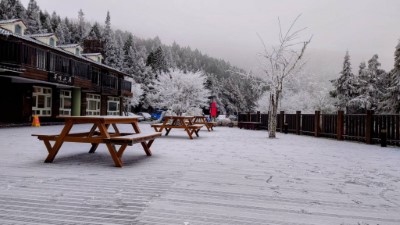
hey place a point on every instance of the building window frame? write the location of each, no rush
(65, 102)
(93, 106)
(41, 59)
(52, 42)
(113, 106)
(18, 29)
(41, 101)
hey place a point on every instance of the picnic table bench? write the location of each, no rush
(178, 122)
(99, 134)
(203, 120)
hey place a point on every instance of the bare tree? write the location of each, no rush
(279, 63)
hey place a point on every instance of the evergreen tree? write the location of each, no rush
(55, 20)
(94, 33)
(110, 51)
(391, 103)
(60, 32)
(157, 61)
(46, 23)
(81, 29)
(33, 18)
(12, 9)
(345, 86)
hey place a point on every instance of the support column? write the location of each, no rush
(76, 102)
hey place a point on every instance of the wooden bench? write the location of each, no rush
(146, 139)
(211, 125)
(249, 125)
(195, 128)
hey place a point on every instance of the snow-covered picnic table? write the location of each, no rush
(178, 122)
(99, 134)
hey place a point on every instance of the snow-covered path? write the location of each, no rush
(229, 176)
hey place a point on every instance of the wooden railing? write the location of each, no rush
(368, 128)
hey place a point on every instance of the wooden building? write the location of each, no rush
(37, 77)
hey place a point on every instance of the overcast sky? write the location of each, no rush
(228, 28)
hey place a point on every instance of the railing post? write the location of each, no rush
(248, 117)
(298, 120)
(282, 121)
(317, 123)
(368, 127)
(258, 117)
(340, 125)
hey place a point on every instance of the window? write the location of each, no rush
(41, 59)
(96, 76)
(65, 103)
(77, 51)
(41, 101)
(18, 29)
(113, 106)
(93, 104)
(98, 59)
(52, 42)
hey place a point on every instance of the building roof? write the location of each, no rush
(91, 54)
(11, 21)
(69, 46)
(40, 35)
(4, 32)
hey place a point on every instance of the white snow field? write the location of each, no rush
(229, 176)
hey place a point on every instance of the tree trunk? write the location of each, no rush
(273, 116)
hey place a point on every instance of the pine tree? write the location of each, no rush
(94, 33)
(12, 9)
(157, 61)
(81, 29)
(54, 21)
(60, 32)
(46, 23)
(345, 85)
(110, 51)
(391, 103)
(33, 23)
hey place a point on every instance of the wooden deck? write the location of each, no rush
(247, 180)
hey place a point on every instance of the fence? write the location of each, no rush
(368, 128)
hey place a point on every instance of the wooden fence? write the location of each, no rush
(368, 128)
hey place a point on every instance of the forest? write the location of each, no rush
(234, 89)
(145, 59)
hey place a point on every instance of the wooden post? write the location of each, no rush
(368, 127)
(282, 121)
(258, 117)
(340, 125)
(317, 123)
(298, 121)
(248, 117)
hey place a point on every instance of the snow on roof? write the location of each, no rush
(91, 54)
(10, 21)
(40, 35)
(4, 32)
(69, 46)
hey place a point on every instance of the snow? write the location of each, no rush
(228, 176)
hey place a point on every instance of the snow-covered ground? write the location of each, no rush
(229, 176)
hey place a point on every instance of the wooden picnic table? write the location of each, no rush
(203, 120)
(178, 122)
(99, 134)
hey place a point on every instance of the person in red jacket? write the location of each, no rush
(213, 110)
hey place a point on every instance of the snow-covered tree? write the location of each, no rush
(33, 23)
(94, 33)
(46, 23)
(280, 63)
(345, 86)
(157, 61)
(391, 102)
(55, 20)
(110, 50)
(12, 9)
(372, 82)
(180, 92)
(61, 32)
